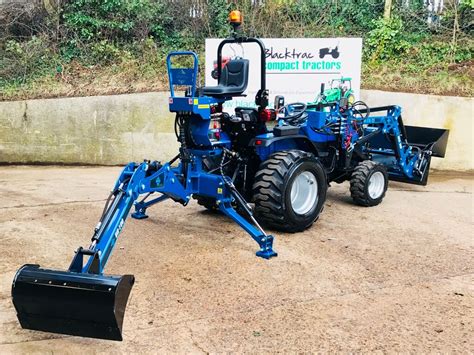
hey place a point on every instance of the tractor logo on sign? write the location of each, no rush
(334, 52)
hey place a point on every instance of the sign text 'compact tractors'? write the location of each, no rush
(225, 160)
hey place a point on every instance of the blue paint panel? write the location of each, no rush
(183, 76)
(277, 146)
(316, 119)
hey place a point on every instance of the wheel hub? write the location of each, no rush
(376, 185)
(304, 192)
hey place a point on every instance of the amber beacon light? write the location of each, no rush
(235, 18)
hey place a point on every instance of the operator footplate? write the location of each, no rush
(72, 303)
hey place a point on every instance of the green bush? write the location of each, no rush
(23, 61)
(347, 17)
(117, 20)
(218, 11)
(435, 52)
(386, 40)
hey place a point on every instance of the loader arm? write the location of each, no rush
(406, 156)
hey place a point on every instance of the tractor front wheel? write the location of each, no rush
(369, 182)
(290, 190)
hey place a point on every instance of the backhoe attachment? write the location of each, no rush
(84, 302)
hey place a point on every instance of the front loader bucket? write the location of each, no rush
(431, 141)
(81, 304)
(434, 140)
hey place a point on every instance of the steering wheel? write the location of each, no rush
(359, 106)
(294, 113)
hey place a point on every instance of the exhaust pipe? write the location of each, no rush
(73, 303)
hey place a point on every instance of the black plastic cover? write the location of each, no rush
(72, 303)
(281, 131)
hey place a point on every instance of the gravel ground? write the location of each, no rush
(398, 277)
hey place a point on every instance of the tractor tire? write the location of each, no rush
(289, 190)
(369, 182)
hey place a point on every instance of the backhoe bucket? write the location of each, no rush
(81, 304)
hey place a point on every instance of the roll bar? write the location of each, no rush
(261, 98)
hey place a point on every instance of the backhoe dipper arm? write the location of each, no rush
(132, 182)
(168, 180)
(82, 301)
(110, 224)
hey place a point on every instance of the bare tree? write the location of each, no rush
(387, 9)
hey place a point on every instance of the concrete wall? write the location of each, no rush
(93, 130)
(122, 128)
(2, 2)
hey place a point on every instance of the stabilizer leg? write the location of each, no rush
(264, 240)
(141, 206)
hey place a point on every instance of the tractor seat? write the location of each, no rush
(233, 80)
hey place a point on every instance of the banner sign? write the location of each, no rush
(295, 67)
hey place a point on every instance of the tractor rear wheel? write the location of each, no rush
(369, 182)
(290, 190)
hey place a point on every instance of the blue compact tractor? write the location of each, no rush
(256, 165)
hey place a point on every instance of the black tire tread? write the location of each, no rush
(268, 187)
(359, 180)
